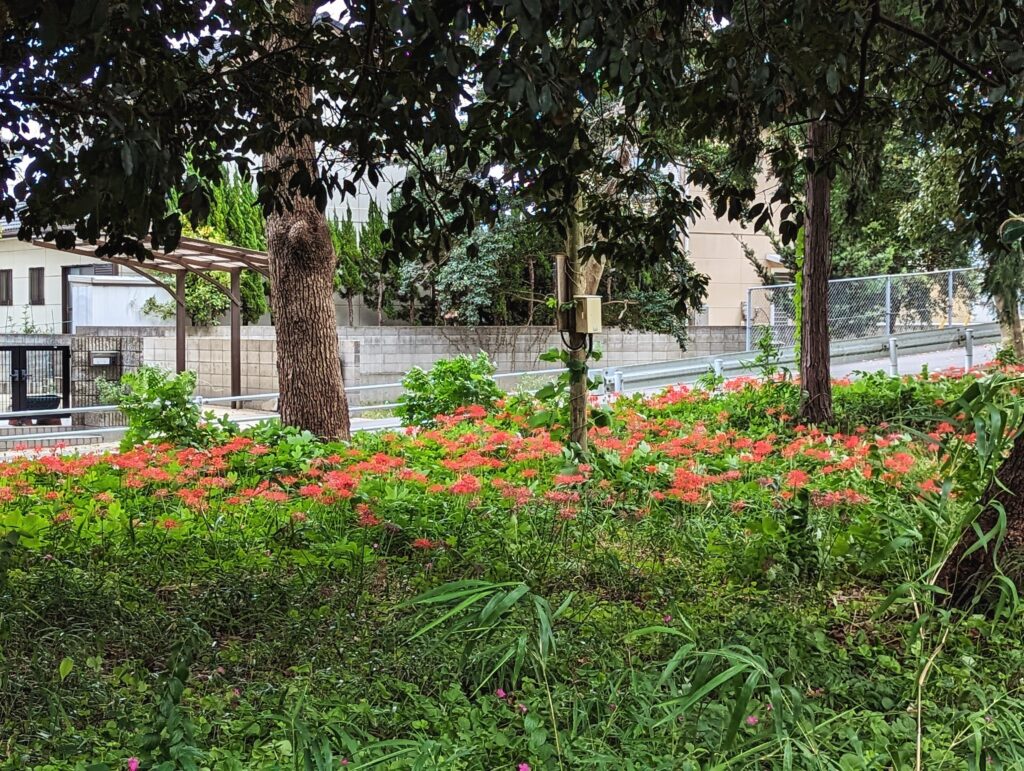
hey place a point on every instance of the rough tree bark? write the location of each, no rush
(1010, 325)
(964, 576)
(302, 264)
(532, 278)
(577, 340)
(815, 378)
(380, 300)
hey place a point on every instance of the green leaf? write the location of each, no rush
(66, 665)
(832, 79)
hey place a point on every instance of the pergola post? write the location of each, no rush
(236, 335)
(179, 320)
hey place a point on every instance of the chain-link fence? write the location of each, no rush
(870, 306)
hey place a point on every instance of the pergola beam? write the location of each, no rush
(200, 258)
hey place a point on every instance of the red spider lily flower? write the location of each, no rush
(900, 462)
(797, 478)
(466, 485)
(424, 544)
(275, 496)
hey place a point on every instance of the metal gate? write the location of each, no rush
(38, 378)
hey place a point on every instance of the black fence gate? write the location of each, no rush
(39, 378)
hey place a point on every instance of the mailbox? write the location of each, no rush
(104, 358)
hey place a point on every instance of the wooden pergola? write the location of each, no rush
(194, 255)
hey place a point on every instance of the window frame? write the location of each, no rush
(33, 297)
(6, 287)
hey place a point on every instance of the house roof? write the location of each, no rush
(191, 254)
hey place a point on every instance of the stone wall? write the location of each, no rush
(377, 355)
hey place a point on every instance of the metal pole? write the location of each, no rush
(236, 335)
(750, 318)
(949, 299)
(179, 321)
(968, 348)
(618, 381)
(66, 376)
(894, 358)
(718, 367)
(888, 305)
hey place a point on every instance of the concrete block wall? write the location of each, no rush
(377, 355)
(210, 358)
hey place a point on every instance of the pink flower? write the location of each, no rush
(667, 618)
(752, 720)
(500, 693)
(522, 708)
(133, 764)
(524, 767)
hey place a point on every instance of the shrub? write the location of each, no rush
(450, 384)
(157, 404)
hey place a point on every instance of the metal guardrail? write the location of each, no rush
(614, 380)
(632, 379)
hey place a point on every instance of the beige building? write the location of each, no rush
(716, 248)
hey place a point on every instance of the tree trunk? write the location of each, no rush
(816, 406)
(302, 265)
(577, 341)
(380, 300)
(1009, 324)
(351, 312)
(1018, 335)
(964, 576)
(532, 278)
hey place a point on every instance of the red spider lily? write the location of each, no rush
(797, 478)
(467, 484)
(831, 498)
(900, 462)
(366, 516)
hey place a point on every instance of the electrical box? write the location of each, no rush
(104, 358)
(588, 313)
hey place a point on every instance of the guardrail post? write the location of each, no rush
(888, 305)
(750, 318)
(968, 348)
(717, 365)
(949, 299)
(617, 375)
(894, 357)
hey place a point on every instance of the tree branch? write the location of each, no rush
(940, 49)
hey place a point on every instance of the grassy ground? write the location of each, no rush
(716, 587)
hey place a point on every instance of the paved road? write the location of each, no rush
(911, 364)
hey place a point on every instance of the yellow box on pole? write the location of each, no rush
(588, 313)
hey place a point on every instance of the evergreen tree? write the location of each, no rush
(371, 250)
(348, 279)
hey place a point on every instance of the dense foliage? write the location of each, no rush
(716, 588)
(462, 381)
(234, 218)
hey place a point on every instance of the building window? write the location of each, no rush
(36, 295)
(6, 287)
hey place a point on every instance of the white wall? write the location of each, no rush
(338, 205)
(19, 256)
(113, 301)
